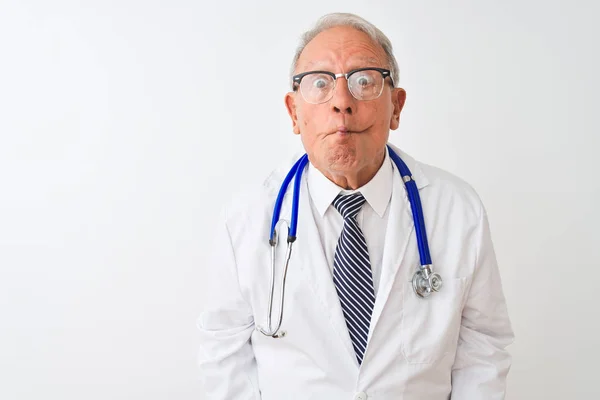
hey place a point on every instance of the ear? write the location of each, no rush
(290, 104)
(398, 99)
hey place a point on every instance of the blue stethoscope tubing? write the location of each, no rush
(296, 173)
(416, 207)
(424, 281)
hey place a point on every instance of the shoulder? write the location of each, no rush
(441, 179)
(439, 187)
(257, 200)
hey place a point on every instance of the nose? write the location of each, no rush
(342, 100)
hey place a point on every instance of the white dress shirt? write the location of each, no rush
(372, 218)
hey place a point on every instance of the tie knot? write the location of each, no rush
(348, 206)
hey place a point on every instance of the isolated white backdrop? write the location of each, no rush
(124, 124)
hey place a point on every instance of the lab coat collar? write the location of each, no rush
(418, 175)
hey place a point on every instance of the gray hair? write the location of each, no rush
(346, 19)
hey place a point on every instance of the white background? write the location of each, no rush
(124, 124)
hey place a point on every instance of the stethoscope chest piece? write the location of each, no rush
(425, 282)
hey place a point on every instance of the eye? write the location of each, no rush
(364, 80)
(320, 83)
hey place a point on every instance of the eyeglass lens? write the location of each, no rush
(363, 85)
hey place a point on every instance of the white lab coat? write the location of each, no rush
(450, 345)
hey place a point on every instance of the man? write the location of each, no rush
(353, 327)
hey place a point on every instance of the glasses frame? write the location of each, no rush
(296, 79)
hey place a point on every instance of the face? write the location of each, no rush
(344, 135)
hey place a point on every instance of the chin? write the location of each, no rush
(342, 158)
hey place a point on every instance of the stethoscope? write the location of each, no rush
(424, 281)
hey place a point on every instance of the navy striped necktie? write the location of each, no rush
(352, 273)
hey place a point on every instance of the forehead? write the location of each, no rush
(341, 47)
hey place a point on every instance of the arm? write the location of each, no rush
(226, 360)
(482, 363)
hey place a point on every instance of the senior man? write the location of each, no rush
(353, 327)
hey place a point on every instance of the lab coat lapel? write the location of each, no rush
(399, 229)
(399, 232)
(310, 257)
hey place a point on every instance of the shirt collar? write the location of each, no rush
(377, 191)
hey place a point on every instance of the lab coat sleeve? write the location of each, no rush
(226, 360)
(482, 362)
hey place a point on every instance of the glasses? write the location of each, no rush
(317, 87)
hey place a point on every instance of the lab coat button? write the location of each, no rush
(360, 396)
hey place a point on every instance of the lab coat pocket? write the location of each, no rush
(430, 326)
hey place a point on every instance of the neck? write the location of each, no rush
(351, 180)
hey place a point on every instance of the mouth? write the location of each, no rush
(344, 130)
